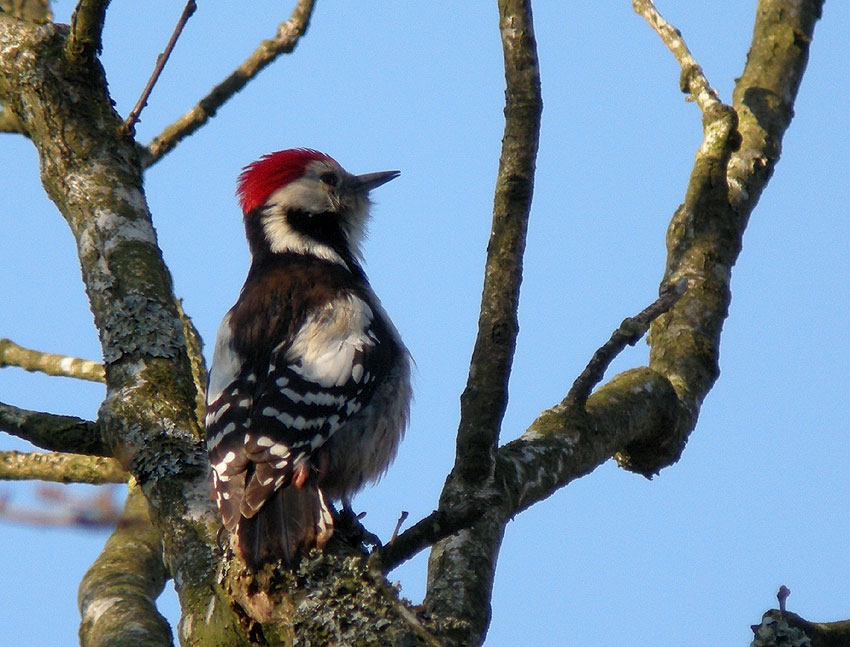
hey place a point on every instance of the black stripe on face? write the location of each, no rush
(322, 227)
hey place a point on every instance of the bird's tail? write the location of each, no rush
(293, 520)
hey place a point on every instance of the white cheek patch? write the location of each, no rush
(307, 192)
(311, 197)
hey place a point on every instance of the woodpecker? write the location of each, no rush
(309, 390)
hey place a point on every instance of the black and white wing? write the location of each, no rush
(266, 431)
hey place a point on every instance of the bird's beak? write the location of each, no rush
(368, 181)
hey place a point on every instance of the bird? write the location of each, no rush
(309, 391)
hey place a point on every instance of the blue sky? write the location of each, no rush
(698, 553)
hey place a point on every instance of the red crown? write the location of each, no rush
(265, 176)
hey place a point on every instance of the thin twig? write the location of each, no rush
(782, 596)
(287, 37)
(60, 468)
(129, 126)
(49, 363)
(401, 519)
(628, 334)
(692, 80)
(428, 531)
(53, 432)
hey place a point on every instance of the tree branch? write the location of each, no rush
(129, 125)
(483, 402)
(739, 151)
(60, 468)
(518, 461)
(436, 526)
(692, 80)
(645, 415)
(53, 432)
(117, 597)
(85, 39)
(628, 334)
(703, 243)
(149, 413)
(765, 92)
(485, 397)
(287, 37)
(58, 365)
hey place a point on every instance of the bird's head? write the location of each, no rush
(302, 201)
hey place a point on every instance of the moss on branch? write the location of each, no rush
(60, 468)
(117, 596)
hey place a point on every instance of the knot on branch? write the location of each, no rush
(643, 394)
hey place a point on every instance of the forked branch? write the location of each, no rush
(644, 415)
(287, 37)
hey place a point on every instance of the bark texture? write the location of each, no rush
(53, 90)
(643, 417)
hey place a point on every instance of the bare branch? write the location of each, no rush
(59, 365)
(126, 579)
(692, 80)
(563, 444)
(53, 432)
(87, 28)
(628, 334)
(427, 532)
(484, 400)
(644, 416)
(735, 161)
(765, 92)
(129, 125)
(460, 572)
(60, 468)
(284, 42)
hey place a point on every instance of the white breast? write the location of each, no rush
(325, 349)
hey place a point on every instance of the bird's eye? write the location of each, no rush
(328, 178)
